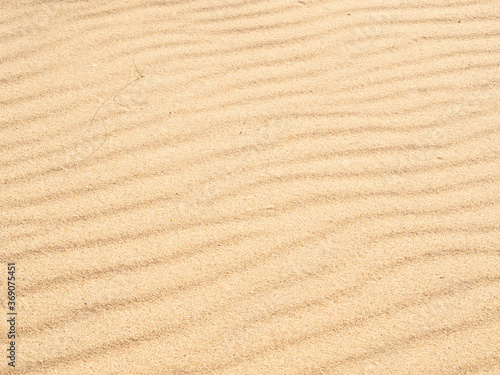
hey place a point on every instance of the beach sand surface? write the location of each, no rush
(251, 187)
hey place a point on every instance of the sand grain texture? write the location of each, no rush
(251, 187)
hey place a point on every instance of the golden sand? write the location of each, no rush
(251, 187)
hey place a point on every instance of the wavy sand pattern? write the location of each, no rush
(252, 187)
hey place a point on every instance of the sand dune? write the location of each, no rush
(251, 187)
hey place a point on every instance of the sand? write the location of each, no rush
(251, 187)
